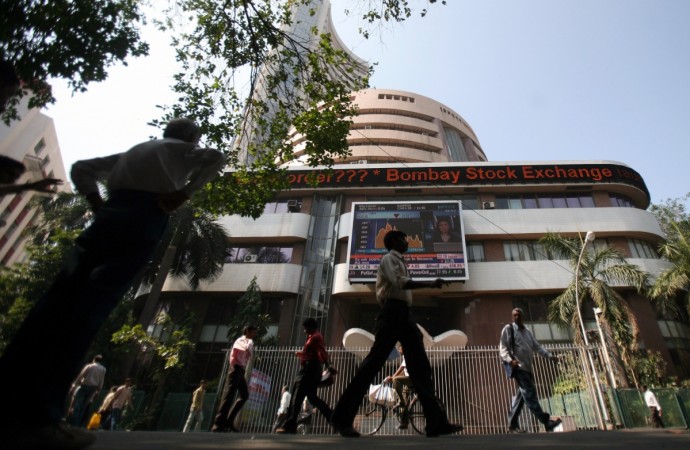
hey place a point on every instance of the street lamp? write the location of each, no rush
(589, 237)
(597, 313)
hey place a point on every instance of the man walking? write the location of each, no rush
(145, 184)
(516, 348)
(235, 383)
(395, 323)
(654, 407)
(86, 387)
(312, 359)
(196, 411)
(121, 400)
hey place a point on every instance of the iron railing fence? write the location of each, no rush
(470, 382)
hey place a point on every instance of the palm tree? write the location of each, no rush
(603, 272)
(673, 284)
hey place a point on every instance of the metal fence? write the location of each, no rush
(470, 382)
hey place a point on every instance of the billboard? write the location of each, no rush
(435, 234)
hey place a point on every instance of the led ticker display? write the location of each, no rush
(435, 235)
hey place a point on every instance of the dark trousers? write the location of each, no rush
(655, 417)
(227, 412)
(50, 347)
(526, 393)
(82, 403)
(305, 385)
(393, 324)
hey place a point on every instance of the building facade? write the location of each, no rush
(421, 150)
(33, 141)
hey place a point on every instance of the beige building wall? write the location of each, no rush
(33, 141)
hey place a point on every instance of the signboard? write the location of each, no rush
(435, 234)
(451, 174)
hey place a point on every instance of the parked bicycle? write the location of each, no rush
(373, 414)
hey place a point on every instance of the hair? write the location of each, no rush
(184, 129)
(310, 323)
(249, 328)
(391, 236)
(98, 358)
(519, 309)
(644, 387)
(202, 381)
(443, 219)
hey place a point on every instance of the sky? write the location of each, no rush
(537, 80)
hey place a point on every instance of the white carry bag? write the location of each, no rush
(382, 394)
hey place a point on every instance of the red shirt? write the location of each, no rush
(314, 349)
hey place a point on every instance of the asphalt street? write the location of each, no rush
(624, 439)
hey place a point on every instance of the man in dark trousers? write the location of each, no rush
(235, 383)
(516, 348)
(312, 359)
(395, 323)
(145, 184)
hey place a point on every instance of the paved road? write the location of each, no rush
(628, 439)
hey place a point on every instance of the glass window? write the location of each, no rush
(559, 202)
(529, 203)
(642, 249)
(586, 201)
(572, 202)
(545, 202)
(475, 251)
(514, 203)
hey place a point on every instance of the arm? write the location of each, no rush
(44, 185)
(87, 173)
(208, 162)
(504, 349)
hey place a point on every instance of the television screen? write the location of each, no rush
(435, 235)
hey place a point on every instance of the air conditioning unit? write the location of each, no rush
(250, 258)
(489, 205)
(363, 161)
(367, 127)
(294, 205)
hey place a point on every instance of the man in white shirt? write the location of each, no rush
(654, 407)
(517, 347)
(86, 387)
(283, 408)
(235, 383)
(121, 400)
(145, 184)
(395, 324)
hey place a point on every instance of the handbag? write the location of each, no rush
(94, 422)
(381, 394)
(506, 366)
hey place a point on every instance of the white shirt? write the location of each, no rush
(651, 400)
(241, 351)
(403, 364)
(391, 276)
(158, 166)
(92, 375)
(122, 397)
(525, 346)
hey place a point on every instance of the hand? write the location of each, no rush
(514, 363)
(554, 358)
(45, 185)
(170, 201)
(387, 380)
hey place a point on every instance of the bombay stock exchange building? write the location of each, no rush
(406, 147)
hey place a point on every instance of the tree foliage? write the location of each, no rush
(673, 216)
(250, 312)
(74, 40)
(602, 272)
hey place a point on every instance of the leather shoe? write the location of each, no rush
(285, 431)
(448, 428)
(233, 429)
(551, 424)
(402, 427)
(516, 430)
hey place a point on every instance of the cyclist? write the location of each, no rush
(400, 379)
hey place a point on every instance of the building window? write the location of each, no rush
(642, 249)
(475, 252)
(278, 207)
(535, 311)
(524, 251)
(39, 147)
(533, 201)
(621, 201)
(261, 255)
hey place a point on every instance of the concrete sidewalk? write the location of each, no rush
(627, 439)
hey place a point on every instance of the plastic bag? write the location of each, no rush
(382, 394)
(95, 422)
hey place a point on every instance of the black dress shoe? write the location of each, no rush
(516, 430)
(448, 428)
(233, 429)
(285, 431)
(551, 424)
